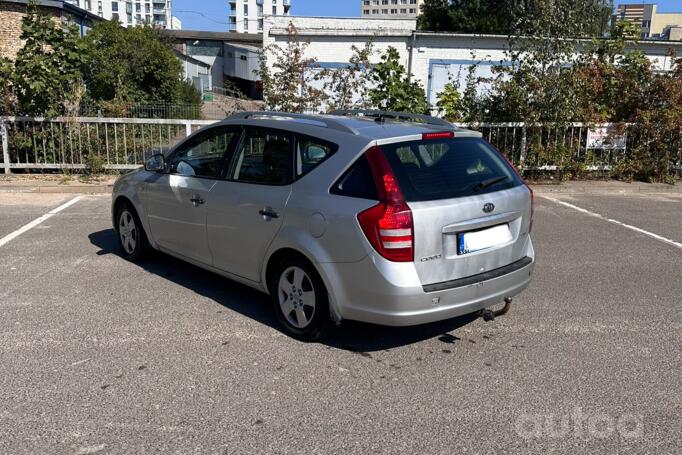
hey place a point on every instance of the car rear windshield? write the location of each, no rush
(448, 168)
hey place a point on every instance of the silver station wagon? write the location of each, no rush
(383, 217)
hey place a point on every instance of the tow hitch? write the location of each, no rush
(490, 315)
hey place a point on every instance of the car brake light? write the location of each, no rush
(388, 225)
(439, 135)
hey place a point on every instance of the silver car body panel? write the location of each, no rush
(231, 237)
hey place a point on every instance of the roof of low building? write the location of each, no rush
(230, 37)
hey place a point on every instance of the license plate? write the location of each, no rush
(470, 242)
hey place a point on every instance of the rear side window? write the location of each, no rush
(357, 181)
(310, 153)
(448, 168)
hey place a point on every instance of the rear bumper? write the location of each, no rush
(387, 293)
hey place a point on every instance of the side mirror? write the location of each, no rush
(157, 163)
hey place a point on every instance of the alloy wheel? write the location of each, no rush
(296, 297)
(127, 230)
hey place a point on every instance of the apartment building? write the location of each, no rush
(387, 9)
(132, 12)
(655, 25)
(246, 16)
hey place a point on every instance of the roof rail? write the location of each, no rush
(382, 115)
(316, 120)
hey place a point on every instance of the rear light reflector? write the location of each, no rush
(388, 225)
(532, 208)
(439, 135)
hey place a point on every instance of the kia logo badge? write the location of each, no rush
(489, 207)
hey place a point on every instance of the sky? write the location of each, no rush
(212, 14)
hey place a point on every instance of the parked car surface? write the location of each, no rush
(386, 218)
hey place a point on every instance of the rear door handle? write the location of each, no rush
(267, 212)
(196, 201)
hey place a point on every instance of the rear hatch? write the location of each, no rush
(471, 211)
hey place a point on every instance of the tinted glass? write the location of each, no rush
(357, 181)
(263, 156)
(203, 155)
(310, 153)
(448, 168)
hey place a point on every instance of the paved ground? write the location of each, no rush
(98, 355)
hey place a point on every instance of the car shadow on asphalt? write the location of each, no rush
(351, 336)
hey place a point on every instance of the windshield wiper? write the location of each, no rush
(490, 182)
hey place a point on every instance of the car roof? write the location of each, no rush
(370, 128)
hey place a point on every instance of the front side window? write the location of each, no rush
(203, 155)
(263, 156)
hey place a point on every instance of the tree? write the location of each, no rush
(393, 88)
(49, 66)
(348, 86)
(285, 73)
(516, 17)
(450, 102)
(135, 64)
(8, 99)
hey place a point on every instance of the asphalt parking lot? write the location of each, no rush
(99, 355)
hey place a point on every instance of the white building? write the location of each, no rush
(390, 9)
(131, 12)
(246, 16)
(434, 59)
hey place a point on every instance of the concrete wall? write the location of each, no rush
(331, 39)
(662, 21)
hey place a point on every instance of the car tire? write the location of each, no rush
(300, 300)
(131, 236)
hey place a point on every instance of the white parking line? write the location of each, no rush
(616, 222)
(8, 238)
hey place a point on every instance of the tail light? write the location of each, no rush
(388, 225)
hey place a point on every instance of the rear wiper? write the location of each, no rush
(490, 182)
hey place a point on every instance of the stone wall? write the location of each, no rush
(10, 27)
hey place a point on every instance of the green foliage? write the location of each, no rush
(286, 79)
(94, 164)
(8, 100)
(56, 70)
(133, 64)
(345, 84)
(450, 102)
(568, 18)
(48, 66)
(392, 89)
(606, 83)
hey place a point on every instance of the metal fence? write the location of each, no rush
(87, 142)
(144, 110)
(122, 143)
(592, 147)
